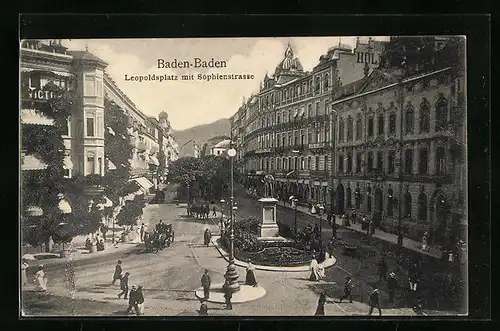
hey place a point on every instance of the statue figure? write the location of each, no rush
(269, 185)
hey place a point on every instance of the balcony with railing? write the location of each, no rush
(319, 174)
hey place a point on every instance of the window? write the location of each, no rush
(302, 163)
(317, 109)
(357, 198)
(318, 85)
(349, 129)
(309, 110)
(441, 114)
(425, 114)
(284, 116)
(277, 140)
(341, 163)
(380, 161)
(326, 134)
(370, 127)
(290, 115)
(278, 118)
(409, 119)
(284, 164)
(98, 87)
(296, 138)
(326, 82)
(67, 128)
(90, 164)
(283, 140)
(359, 128)
(317, 162)
(302, 137)
(381, 124)
(309, 136)
(390, 202)
(99, 165)
(422, 207)
(409, 161)
(440, 161)
(90, 86)
(309, 160)
(67, 173)
(370, 162)
(341, 129)
(272, 164)
(423, 161)
(318, 136)
(349, 161)
(358, 162)
(391, 157)
(407, 204)
(392, 123)
(90, 127)
(290, 141)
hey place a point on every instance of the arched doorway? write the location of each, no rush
(348, 197)
(340, 199)
(379, 207)
(441, 211)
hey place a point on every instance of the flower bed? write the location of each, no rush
(276, 256)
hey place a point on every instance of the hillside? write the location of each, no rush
(201, 134)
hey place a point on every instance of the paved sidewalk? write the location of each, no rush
(388, 237)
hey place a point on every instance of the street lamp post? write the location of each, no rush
(231, 273)
(222, 202)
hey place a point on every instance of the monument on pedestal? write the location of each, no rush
(268, 228)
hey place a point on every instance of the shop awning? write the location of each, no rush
(111, 166)
(154, 160)
(30, 116)
(30, 162)
(68, 165)
(144, 182)
(59, 73)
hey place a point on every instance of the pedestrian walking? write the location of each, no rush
(320, 310)
(392, 285)
(205, 283)
(203, 311)
(206, 237)
(24, 275)
(118, 272)
(132, 300)
(214, 214)
(143, 229)
(250, 277)
(374, 301)
(317, 271)
(40, 279)
(382, 269)
(348, 285)
(124, 286)
(140, 300)
(227, 295)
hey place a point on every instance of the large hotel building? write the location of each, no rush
(84, 74)
(353, 134)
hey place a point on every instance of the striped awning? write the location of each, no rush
(30, 162)
(143, 182)
(30, 116)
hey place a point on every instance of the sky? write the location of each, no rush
(191, 103)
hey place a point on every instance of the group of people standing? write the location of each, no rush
(206, 283)
(135, 296)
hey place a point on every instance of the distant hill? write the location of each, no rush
(201, 134)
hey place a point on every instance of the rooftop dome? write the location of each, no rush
(223, 144)
(163, 114)
(289, 63)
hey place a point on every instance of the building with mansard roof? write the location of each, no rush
(400, 138)
(284, 129)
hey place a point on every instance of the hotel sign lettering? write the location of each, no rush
(36, 94)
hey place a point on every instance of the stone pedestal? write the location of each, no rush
(268, 227)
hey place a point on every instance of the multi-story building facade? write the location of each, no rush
(84, 75)
(399, 149)
(285, 129)
(81, 73)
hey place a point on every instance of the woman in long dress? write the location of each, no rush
(250, 278)
(24, 275)
(317, 271)
(40, 279)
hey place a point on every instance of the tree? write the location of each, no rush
(132, 210)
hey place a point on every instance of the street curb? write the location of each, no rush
(330, 262)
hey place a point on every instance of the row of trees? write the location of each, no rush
(208, 177)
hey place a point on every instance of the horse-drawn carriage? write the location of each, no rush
(198, 210)
(163, 236)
